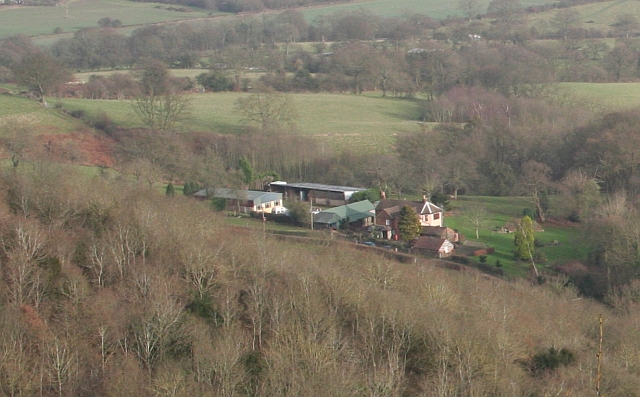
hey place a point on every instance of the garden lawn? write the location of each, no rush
(504, 210)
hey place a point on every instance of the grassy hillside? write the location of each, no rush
(605, 14)
(32, 113)
(366, 122)
(32, 21)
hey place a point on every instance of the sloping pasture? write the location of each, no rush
(360, 122)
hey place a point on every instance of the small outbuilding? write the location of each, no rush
(433, 246)
(355, 215)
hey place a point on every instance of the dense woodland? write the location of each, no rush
(100, 297)
(109, 288)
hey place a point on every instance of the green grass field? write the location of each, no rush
(78, 14)
(362, 122)
(31, 113)
(366, 122)
(438, 9)
(609, 96)
(500, 211)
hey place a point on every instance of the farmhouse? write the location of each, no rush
(328, 195)
(245, 201)
(355, 215)
(387, 212)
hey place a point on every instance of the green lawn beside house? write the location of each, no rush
(502, 211)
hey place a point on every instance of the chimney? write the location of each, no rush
(424, 199)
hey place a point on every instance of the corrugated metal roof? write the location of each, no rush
(257, 197)
(318, 186)
(326, 218)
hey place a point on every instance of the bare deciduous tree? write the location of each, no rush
(477, 216)
(40, 73)
(25, 248)
(18, 138)
(536, 179)
(269, 109)
(61, 364)
(162, 112)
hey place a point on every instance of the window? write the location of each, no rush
(436, 216)
(387, 222)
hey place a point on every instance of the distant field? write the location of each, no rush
(364, 122)
(32, 21)
(78, 14)
(438, 9)
(604, 14)
(599, 15)
(191, 73)
(610, 96)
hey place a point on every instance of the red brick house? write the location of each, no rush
(387, 212)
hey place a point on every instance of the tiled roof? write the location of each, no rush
(428, 243)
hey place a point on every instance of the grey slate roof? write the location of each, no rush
(421, 207)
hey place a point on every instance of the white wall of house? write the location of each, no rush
(431, 219)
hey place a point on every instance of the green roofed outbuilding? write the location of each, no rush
(355, 215)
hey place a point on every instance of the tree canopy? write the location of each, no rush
(40, 73)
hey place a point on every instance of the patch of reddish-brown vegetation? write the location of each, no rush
(572, 268)
(32, 318)
(79, 147)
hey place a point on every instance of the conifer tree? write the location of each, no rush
(171, 191)
(409, 224)
(524, 238)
